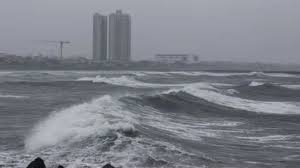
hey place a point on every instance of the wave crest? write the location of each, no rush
(98, 117)
(127, 81)
(255, 83)
(212, 94)
(120, 81)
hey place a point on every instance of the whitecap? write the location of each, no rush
(264, 139)
(211, 94)
(12, 96)
(296, 87)
(127, 81)
(97, 117)
(256, 83)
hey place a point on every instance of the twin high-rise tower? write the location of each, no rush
(117, 47)
(99, 38)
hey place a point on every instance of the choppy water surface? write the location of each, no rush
(149, 119)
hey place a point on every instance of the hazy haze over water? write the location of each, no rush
(238, 30)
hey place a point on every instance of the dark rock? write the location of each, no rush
(60, 166)
(37, 163)
(155, 163)
(130, 133)
(108, 166)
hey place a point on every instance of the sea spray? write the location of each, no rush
(98, 116)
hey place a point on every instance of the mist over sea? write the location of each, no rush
(149, 119)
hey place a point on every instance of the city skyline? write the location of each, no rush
(231, 30)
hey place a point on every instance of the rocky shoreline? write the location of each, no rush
(39, 163)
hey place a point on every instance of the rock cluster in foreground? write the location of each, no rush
(39, 163)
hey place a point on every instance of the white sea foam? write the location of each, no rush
(256, 83)
(101, 115)
(120, 81)
(231, 91)
(217, 74)
(223, 74)
(3, 73)
(282, 75)
(256, 73)
(186, 127)
(178, 129)
(211, 94)
(130, 81)
(187, 73)
(97, 117)
(12, 96)
(264, 139)
(202, 73)
(156, 73)
(296, 87)
(127, 81)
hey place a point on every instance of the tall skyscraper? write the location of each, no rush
(99, 38)
(119, 37)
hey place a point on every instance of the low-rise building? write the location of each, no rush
(176, 58)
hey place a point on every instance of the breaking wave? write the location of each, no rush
(127, 81)
(212, 94)
(190, 125)
(98, 117)
(121, 81)
(91, 134)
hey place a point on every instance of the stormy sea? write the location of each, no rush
(85, 119)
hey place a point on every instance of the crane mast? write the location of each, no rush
(61, 46)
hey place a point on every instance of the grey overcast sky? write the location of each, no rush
(234, 30)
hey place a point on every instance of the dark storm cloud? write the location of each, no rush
(238, 30)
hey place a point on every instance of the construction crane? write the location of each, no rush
(61, 44)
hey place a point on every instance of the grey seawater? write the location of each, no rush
(149, 119)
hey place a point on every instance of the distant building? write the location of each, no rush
(119, 37)
(176, 58)
(99, 38)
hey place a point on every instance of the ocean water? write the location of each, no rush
(149, 119)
